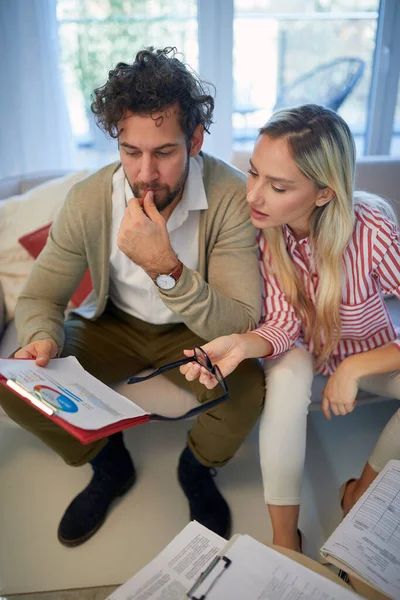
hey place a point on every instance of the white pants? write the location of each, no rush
(284, 421)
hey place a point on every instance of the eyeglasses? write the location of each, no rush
(201, 357)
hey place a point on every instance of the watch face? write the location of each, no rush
(165, 282)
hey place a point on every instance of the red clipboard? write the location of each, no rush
(85, 436)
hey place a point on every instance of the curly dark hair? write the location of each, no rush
(155, 81)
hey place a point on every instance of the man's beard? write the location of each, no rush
(169, 194)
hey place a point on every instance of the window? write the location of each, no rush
(293, 52)
(97, 34)
(258, 53)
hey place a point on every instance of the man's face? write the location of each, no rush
(155, 156)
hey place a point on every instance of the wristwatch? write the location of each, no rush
(167, 282)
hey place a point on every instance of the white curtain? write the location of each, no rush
(35, 132)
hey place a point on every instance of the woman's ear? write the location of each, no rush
(324, 196)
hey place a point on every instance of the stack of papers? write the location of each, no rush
(367, 542)
(198, 564)
(176, 568)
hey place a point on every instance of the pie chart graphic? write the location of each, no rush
(55, 398)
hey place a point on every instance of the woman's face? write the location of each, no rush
(277, 191)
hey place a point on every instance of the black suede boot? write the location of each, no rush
(113, 475)
(207, 505)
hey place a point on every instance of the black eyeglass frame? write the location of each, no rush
(207, 364)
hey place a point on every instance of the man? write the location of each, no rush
(167, 237)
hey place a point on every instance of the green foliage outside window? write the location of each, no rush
(97, 34)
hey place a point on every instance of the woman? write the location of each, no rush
(327, 256)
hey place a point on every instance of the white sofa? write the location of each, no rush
(375, 174)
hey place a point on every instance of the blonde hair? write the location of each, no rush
(322, 147)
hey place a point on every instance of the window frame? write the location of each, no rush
(385, 79)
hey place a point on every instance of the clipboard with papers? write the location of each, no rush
(200, 565)
(68, 395)
(246, 568)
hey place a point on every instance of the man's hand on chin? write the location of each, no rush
(143, 237)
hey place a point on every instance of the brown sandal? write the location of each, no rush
(301, 540)
(342, 490)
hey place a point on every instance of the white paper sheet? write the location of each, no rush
(258, 572)
(175, 569)
(74, 394)
(368, 539)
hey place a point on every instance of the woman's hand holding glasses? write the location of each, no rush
(223, 352)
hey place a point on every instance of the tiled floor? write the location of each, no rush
(36, 486)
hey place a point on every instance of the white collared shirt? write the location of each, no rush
(131, 289)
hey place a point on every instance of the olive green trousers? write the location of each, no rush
(118, 345)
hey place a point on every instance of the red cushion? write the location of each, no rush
(34, 243)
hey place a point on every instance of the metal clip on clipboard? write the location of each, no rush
(205, 582)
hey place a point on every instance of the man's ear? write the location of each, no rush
(324, 196)
(196, 140)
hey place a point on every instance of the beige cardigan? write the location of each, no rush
(222, 297)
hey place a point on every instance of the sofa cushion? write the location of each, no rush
(35, 241)
(20, 215)
(19, 184)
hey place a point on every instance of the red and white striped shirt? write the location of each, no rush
(371, 269)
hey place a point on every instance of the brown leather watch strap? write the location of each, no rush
(177, 272)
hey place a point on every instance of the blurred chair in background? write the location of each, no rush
(328, 84)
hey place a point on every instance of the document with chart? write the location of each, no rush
(68, 395)
(78, 402)
(367, 542)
